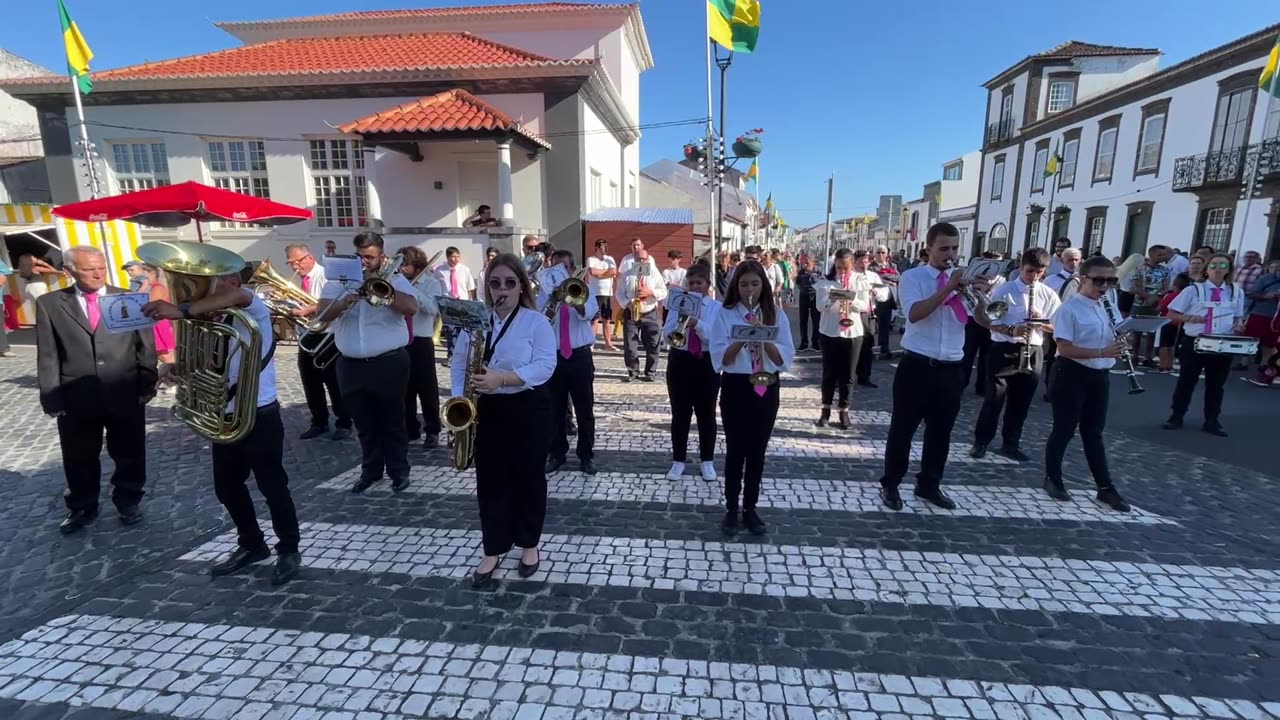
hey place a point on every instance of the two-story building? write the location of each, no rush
(413, 118)
(1146, 155)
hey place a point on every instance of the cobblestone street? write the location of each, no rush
(1011, 607)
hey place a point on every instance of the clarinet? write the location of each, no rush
(1126, 357)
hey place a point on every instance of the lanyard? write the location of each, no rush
(491, 343)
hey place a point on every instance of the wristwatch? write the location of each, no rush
(185, 309)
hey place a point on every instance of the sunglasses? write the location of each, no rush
(1219, 266)
(500, 284)
(1104, 281)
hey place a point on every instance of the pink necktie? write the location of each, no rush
(757, 364)
(91, 308)
(565, 349)
(1215, 295)
(956, 304)
(306, 283)
(453, 283)
(695, 344)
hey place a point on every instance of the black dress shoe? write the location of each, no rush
(1013, 452)
(1111, 498)
(398, 484)
(363, 484)
(647, 377)
(935, 497)
(431, 441)
(1173, 423)
(979, 451)
(730, 522)
(479, 579)
(313, 432)
(802, 347)
(754, 524)
(287, 566)
(1056, 490)
(131, 515)
(891, 498)
(588, 466)
(867, 384)
(239, 559)
(571, 430)
(527, 570)
(554, 464)
(1214, 429)
(76, 520)
(843, 421)
(824, 417)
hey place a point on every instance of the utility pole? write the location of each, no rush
(831, 189)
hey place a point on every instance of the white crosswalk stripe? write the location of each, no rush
(800, 494)
(914, 578)
(195, 670)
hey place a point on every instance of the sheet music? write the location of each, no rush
(122, 312)
(684, 302)
(754, 333)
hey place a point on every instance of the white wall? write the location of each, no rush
(994, 98)
(962, 192)
(604, 154)
(1099, 75)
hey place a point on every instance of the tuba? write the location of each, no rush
(204, 348)
(533, 264)
(460, 413)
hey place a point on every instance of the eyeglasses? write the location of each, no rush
(1104, 281)
(500, 284)
(1219, 266)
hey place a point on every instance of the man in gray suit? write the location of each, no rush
(94, 381)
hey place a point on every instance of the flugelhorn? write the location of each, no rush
(974, 300)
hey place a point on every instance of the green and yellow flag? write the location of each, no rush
(753, 174)
(78, 52)
(1268, 79)
(1054, 164)
(734, 24)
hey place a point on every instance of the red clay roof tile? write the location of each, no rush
(451, 111)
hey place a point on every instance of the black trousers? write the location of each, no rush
(374, 390)
(80, 436)
(1079, 397)
(1216, 370)
(424, 390)
(748, 424)
(884, 323)
(838, 358)
(863, 356)
(1050, 355)
(260, 453)
(314, 383)
(927, 391)
(1009, 390)
(692, 386)
(634, 332)
(573, 382)
(977, 343)
(809, 317)
(511, 481)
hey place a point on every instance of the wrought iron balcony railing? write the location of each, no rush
(1228, 168)
(1000, 131)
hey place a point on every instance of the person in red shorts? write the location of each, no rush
(1167, 340)
(1262, 323)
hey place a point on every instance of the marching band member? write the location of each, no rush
(514, 408)
(641, 283)
(930, 377)
(314, 380)
(1081, 384)
(1065, 283)
(877, 291)
(748, 411)
(424, 388)
(261, 452)
(373, 365)
(1213, 307)
(575, 372)
(842, 337)
(692, 380)
(1010, 385)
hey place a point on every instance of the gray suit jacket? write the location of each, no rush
(83, 372)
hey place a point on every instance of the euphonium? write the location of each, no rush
(459, 414)
(573, 291)
(202, 355)
(279, 295)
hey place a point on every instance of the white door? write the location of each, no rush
(477, 185)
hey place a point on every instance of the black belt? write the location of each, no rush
(909, 355)
(1010, 346)
(386, 354)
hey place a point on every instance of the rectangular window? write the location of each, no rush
(239, 166)
(952, 172)
(1150, 143)
(997, 179)
(1215, 227)
(337, 178)
(1093, 241)
(1070, 155)
(1272, 130)
(1231, 125)
(140, 165)
(597, 191)
(1061, 93)
(1006, 108)
(1037, 169)
(1106, 160)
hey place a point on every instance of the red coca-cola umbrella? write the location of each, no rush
(176, 205)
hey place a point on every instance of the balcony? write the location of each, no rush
(1000, 131)
(1227, 168)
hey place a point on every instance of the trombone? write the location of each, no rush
(573, 291)
(318, 341)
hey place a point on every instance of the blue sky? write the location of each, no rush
(881, 93)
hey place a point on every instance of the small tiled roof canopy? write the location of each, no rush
(1075, 48)
(452, 112)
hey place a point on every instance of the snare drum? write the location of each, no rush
(1226, 345)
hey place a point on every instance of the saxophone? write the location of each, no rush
(637, 305)
(459, 414)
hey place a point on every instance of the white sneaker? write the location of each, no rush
(676, 472)
(709, 471)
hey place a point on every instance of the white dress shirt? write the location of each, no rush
(940, 335)
(424, 321)
(707, 315)
(628, 288)
(1178, 264)
(258, 311)
(365, 331)
(603, 287)
(1017, 294)
(1082, 322)
(867, 285)
(315, 285)
(721, 334)
(1195, 300)
(466, 283)
(528, 349)
(1055, 281)
(581, 333)
(84, 306)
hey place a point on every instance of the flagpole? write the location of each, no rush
(84, 139)
(759, 218)
(1253, 175)
(713, 225)
(1053, 190)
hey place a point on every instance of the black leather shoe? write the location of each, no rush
(313, 432)
(647, 377)
(76, 520)
(431, 441)
(554, 464)
(239, 559)
(824, 417)
(1173, 423)
(479, 579)
(363, 484)
(341, 433)
(528, 570)
(802, 347)
(1214, 429)
(867, 384)
(843, 421)
(398, 484)
(629, 378)
(588, 466)
(935, 497)
(891, 498)
(131, 515)
(979, 451)
(287, 566)
(1056, 490)
(1111, 498)
(754, 524)
(730, 522)
(1013, 452)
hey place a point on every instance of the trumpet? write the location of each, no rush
(974, 300)
(1126, 357)
(759, 378)
(679, 337)
(846, 298)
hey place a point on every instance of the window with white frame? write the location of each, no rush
(953, 171)
(1150, 143)
(337, 178)
(1215, 227)
(597, 191)
(1093, 241)
(1070, 156)
(239, 166)
(1061, 93)
(1037, 169)
(139, 165)
(998, 240)
(1103, 166)
(997, 179)
(1006, 111)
